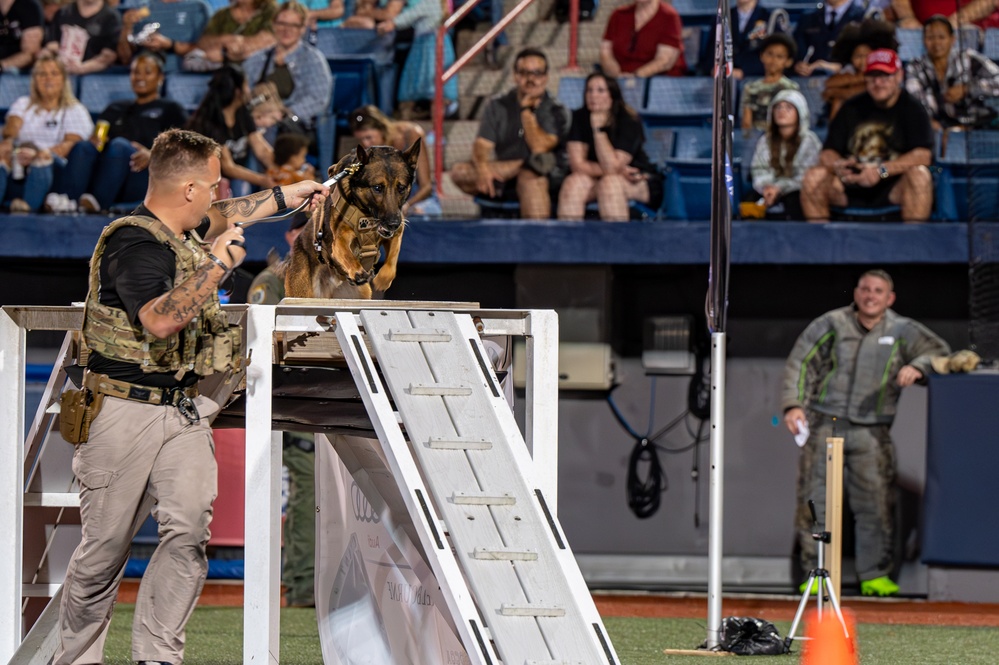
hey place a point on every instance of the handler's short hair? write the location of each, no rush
(880, 274)
(178, 151)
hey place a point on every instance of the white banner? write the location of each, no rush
(377, 600)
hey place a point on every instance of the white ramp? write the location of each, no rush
(516, 590)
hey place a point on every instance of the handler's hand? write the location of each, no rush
(298, 192)
(907, 376)
(791, 418)
(228, 247)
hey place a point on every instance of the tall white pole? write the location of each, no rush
(716, 484)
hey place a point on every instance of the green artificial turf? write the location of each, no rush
(215, 637)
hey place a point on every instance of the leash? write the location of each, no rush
(350, 170)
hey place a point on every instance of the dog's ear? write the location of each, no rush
(412, 153)
(362, 155)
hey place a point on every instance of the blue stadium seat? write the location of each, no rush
(354, 41)
(571, 90)
(695, 40)
(659, 142)
(696, 12)
(970, 160)
(743, 148)
(692, 142)
(355, 85)
(910, 43)
(811, 87)
(679, 101)
(688, 175)
(990, 45)
(99, 90)
(13, 86)
(187, 89)
(326, 135)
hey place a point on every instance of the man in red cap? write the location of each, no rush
(878, 150)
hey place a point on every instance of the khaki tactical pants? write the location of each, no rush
(139, 457)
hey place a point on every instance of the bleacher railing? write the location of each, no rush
(443, 76)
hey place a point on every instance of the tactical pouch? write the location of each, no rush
(72, 415)
(77, 409)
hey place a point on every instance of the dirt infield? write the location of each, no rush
(687, 606)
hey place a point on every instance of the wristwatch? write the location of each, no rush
(883, 171)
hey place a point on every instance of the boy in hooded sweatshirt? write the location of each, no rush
(783, 155)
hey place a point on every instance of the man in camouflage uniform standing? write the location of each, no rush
(299, 456)
(154, 327)
(848, 369)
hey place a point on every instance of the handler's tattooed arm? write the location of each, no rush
(224, 214)
(173, 310)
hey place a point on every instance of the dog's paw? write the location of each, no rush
(360, 277)
(383, 280)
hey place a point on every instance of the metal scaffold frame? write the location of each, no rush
(262, 496)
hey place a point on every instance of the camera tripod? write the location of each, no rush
(820, 576)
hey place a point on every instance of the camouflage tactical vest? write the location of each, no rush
(207, 344)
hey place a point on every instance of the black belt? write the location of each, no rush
(134, 392)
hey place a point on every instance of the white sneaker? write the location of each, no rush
(51, 202)
(88, 203)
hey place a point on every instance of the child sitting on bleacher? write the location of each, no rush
(290, 160)
(783, 154)
(777, 53)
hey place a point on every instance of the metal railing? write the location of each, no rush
(442, 76)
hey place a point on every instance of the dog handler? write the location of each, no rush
(850, 364)
(154, 327)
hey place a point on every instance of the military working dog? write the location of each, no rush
(336, 253)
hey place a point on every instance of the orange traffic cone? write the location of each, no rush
(826, 643)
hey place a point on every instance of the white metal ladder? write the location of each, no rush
(529, 604)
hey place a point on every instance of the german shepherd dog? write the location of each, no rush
(336, 253)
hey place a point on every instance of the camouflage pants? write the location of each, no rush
(298, 572)
(868, 480)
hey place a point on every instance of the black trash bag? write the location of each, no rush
(747, 636)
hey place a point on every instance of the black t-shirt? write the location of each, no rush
(235, 138)
(626, 134)
(102, 28)
(872, 135)
(135, 269)
(23, 14)
(143, 122)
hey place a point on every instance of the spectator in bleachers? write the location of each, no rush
(952, 84)
(297, 69)
(368, 13)
(855, 43)
(749, 28)
(290, 160)
(324, 13)
(783, 154)
(84, 35)
(41, 129)
(818, 30)
(97, 175)
(171, 41)
(776, 54)
(224, 116)
(233, 34)
(643, 39)
(878, 150)
(418, 79)
(371, 127)
(22, 28)
(607, 160)
(915, 13)
(519, 151)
